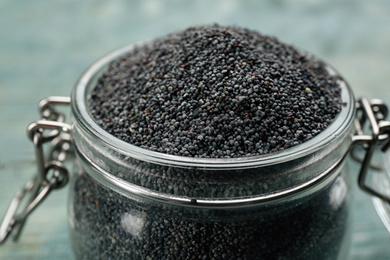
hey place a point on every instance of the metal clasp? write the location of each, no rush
(52, 174)
(374, 113)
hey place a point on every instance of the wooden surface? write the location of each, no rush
(45, 46)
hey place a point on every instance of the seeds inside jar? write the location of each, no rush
(211, 92)
(215, 92)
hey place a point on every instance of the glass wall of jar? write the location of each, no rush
(128, 202)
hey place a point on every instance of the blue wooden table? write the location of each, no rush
(45, 46)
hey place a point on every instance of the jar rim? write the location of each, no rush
(80, 111)
(317, 161)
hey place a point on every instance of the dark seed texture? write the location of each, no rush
(214, 91)
(107, 225)
(211, 92)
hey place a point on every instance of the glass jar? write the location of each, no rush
(131, 203)
(126, 202)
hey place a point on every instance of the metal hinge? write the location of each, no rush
(52, 174)
(374, 113)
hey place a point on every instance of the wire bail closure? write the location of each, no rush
(52, 174)
(374, 113)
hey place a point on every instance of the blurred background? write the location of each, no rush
(46, 45)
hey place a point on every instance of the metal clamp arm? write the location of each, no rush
(52, 174)
(373, 113)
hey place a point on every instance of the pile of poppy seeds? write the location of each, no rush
(214, 91)
(210, 92)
